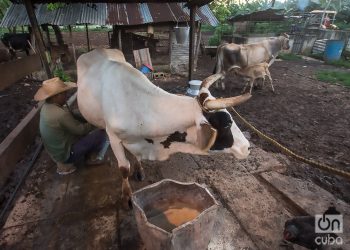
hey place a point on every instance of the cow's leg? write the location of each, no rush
(270, 78)
(245, 86)
(220, 80)
(263, 82)
(273, 90)
(124, 167)
(139, 173)
(222, 84)
(251, 85)
(13, 54)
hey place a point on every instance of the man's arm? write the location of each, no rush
(74, 126)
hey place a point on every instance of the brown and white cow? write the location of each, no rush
(260, 70)
(150, 122)
(231, 55)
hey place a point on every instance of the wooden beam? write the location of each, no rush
(199, 37)
(87, 36)
(38, 36)
(193, 11)
(72, 43)
(120, 40)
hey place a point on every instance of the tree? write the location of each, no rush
(4, 4)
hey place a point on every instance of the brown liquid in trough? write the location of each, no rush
(172, 216)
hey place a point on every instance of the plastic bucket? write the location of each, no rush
(181, 34)
(174, 215)
(333, 50)
(194, 87)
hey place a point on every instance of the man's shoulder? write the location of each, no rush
(54, 110)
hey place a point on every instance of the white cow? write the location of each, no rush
(148, 121)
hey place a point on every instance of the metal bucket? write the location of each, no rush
(181, 34)
(194, 87)
(333, 50)
(172, 215)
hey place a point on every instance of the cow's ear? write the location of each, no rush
(206, 136)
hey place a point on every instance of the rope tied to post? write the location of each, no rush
(324, 167)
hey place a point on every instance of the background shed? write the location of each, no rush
(135, 25)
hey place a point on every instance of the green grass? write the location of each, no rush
(289, 57)
(334, 77)
(340, 63)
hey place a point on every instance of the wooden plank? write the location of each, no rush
(259, 213)
(15, 144)
(310, 197)
(142, 56)
(13, 71)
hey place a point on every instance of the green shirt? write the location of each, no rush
(59, 130)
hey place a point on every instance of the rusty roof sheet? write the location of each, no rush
(107, 14)
(147, 13)
(189, 2)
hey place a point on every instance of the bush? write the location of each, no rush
(62, 75)
(222, 29)
(214, 41)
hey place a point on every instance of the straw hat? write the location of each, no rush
(53, 87)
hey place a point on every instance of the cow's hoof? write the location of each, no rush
(139, 175)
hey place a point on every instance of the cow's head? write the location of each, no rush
(218, 131)
(213, 129)
(284, 39)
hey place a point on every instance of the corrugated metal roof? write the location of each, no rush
(107, 13)
(144, 13)
(93, 15)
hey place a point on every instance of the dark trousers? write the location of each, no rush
(92, 142)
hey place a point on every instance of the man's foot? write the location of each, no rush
(64, 169)
(95, 161)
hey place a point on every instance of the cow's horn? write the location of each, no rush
(226, 102)
(207, 82)
(286, 35)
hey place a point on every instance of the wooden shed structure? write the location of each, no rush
(192, 5)
(135, 26)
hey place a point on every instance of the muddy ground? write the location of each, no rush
(308, 116)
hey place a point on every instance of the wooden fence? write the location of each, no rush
(15, 144)
(13, 71)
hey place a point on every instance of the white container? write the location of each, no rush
(194, 87)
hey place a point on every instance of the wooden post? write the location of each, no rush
(170, 40)
(120, 39)
(71, 41)
(193, 10)
(87, 36)
(199, 37)
(38, 36)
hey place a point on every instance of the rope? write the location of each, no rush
(287, 151)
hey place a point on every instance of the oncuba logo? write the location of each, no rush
(329, 225)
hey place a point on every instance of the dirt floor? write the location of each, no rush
(308, 116)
